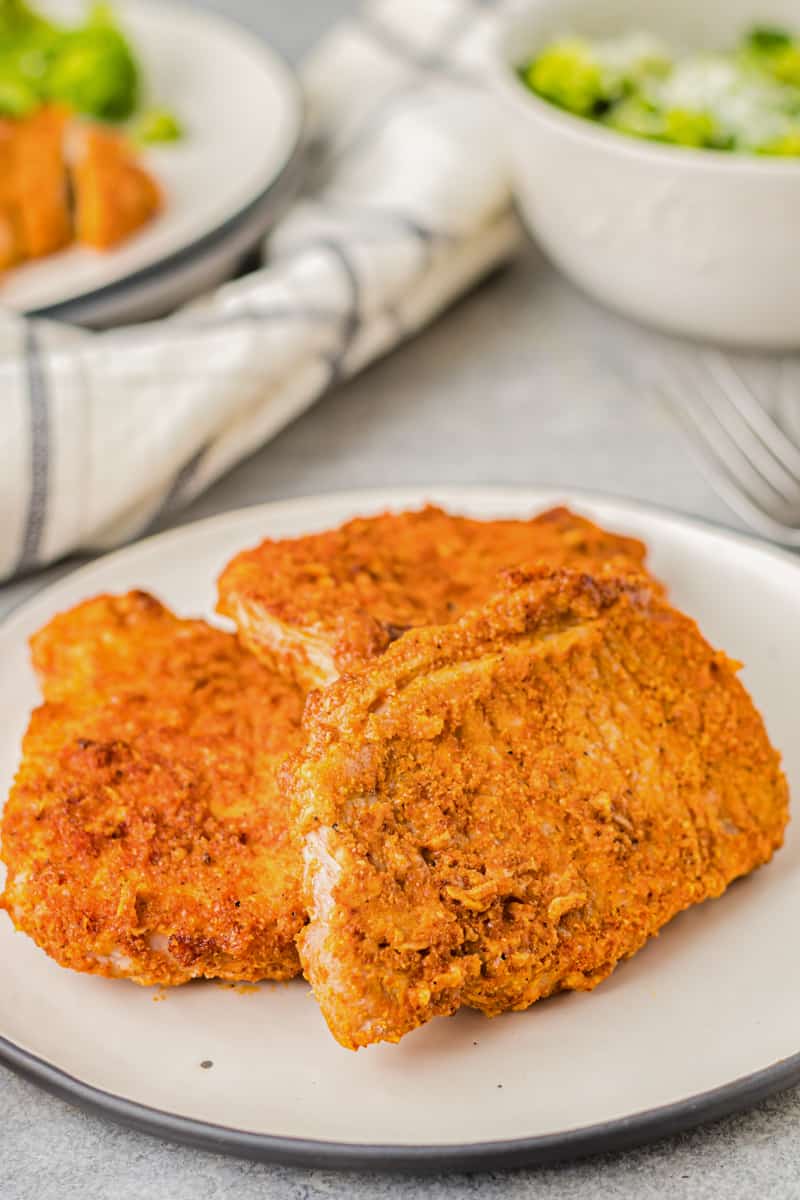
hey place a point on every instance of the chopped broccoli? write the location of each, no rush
(766, 38)
(787, 146)
(17, 97)
(588, 78)
(568, 75)
(636, 117)
(774, 52)
(158, 125)
(686, 128)
(90, 68)
(784, 64)
(94, 72)
(681, 127)
(16, 18)
(745, 99)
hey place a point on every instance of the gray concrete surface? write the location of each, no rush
(525, 381)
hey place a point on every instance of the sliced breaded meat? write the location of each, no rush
(509, 805)
(319, 605)
(11, 248)
(114, 195)
(40, 182)
(146, 834)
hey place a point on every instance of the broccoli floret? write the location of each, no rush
(25, 42)
(16, 18)
(567, 74)
(784, 64)
(680, 127)
(158, 125)
(766, 38)
(787, 146)
(17, 96)
(686, 128)
(94, 72)
(588, 79)
(637, 118)
(773, 51)
(90, 68)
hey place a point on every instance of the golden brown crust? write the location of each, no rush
(319, 605)
(40, 182)
(507, 806)
(146, 834)
(11, 246)
(114, 194)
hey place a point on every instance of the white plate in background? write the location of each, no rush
(242, 111)
(701, 1022)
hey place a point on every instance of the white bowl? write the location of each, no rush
(698, 242)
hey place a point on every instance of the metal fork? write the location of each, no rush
(750, 460)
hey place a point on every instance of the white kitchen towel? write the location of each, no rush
(407, 204)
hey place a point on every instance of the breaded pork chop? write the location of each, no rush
(146, 833)
(505, 807)
(319, 605)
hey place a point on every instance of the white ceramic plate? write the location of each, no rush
(243, 116)
(702, 1021)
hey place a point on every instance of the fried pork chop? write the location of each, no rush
(146, 833)
(319, 605)
(114, 195)
(507, 806)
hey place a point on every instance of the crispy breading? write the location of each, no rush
(11, 247)
(507, 806)
(39, 186)
(319, 605)
(146, 834)
(114, 194)
(46, 159)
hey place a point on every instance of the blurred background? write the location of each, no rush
(499, 369)
(290, 31)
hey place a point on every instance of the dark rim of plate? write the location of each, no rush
(622, 1133)
(269, 203)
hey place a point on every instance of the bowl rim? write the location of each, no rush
(694, 158)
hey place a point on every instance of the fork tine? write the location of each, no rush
(752, 429)
(754, 414)
(711, 418)
(788, 389)
(703, 447)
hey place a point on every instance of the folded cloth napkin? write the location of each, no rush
(407, 205)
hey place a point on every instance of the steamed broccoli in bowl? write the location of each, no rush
(589, 78)
(746, 99)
